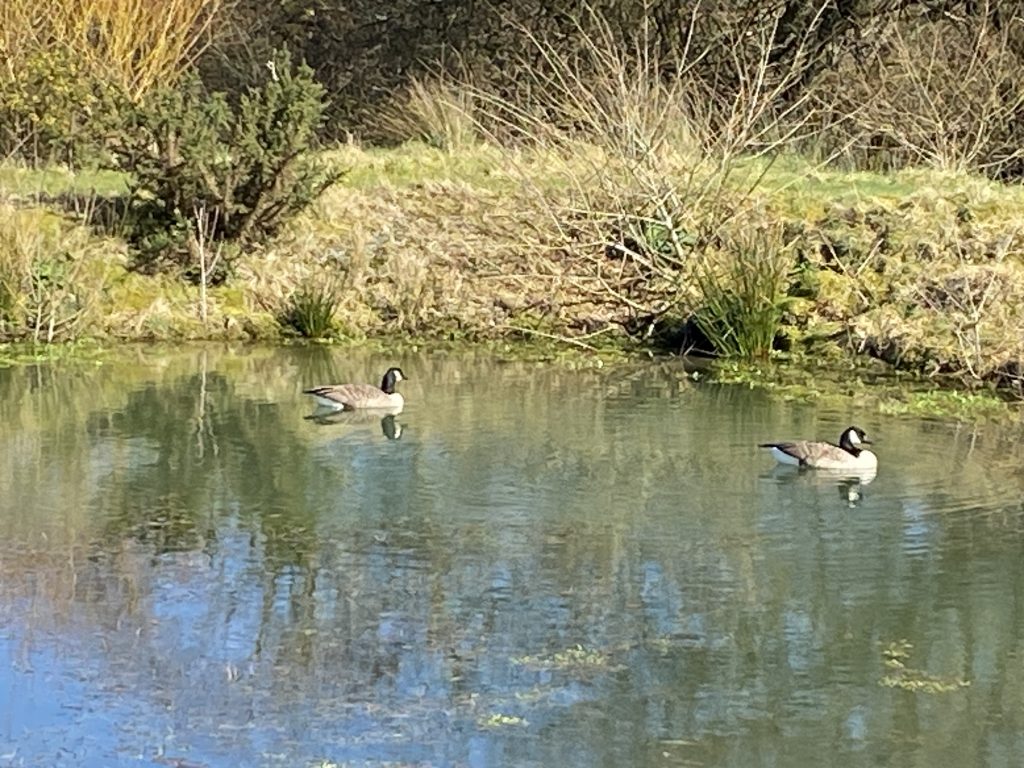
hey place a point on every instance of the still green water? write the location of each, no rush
(529, 566)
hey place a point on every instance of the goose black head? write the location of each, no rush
(851, 440)
(391, 378)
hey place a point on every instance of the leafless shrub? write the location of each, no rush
(942, 93)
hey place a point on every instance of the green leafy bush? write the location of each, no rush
(245, 162)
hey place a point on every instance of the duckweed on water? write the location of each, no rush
(27, 353)
(946, 404)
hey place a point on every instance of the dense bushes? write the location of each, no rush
(844, 70)
(848, 66)
(65, 65)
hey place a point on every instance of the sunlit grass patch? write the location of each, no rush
(798, 187)
(800, 183)
(22, 181)
(415, 162)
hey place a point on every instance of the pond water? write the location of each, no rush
(528, 566)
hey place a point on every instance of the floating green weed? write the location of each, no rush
(896, 656)
(83, 351)
(499, 720)
(576, 656)
(952, 404)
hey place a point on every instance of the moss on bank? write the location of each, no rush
(922, 271)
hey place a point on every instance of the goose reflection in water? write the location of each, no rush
(390, 427)
(849, 483)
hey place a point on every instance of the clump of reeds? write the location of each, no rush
(743, 287)
(311, 311)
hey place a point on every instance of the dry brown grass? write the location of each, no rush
(434, 258)
(51, 277)
(437, 111)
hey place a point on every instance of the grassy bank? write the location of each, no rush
(921, 270)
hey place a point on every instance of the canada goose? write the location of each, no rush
(821, 455)
(348, 397)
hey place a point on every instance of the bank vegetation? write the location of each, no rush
(748, 180)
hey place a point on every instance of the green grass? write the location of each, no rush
(790, 181)
(798, 186)
(21, 181)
